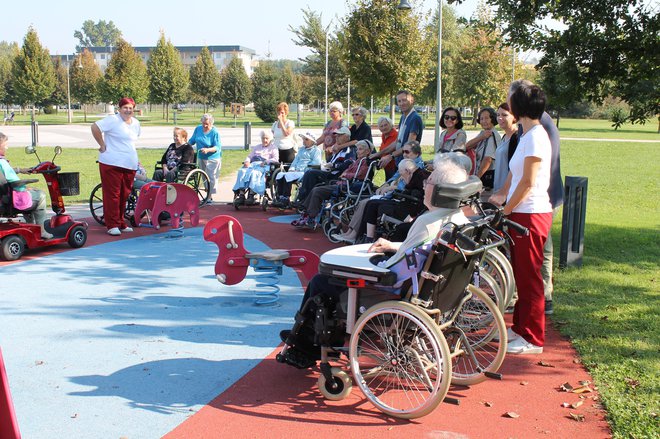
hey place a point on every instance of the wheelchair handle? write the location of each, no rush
(515, 226)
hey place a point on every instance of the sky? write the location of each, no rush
(261, 25)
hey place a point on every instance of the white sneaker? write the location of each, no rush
(510, 335)
(127, 229)
(522, 346)
(114, 231)
(46, 235)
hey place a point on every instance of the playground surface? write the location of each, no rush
(134, 337)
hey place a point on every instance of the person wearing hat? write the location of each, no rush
(338, 163)
(118, 160)
(336, 111)
(308, 156)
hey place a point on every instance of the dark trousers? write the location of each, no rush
(310, 179)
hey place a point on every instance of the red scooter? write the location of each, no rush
(17, 235)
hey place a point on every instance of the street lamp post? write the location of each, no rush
(68, 91)
(403, 4)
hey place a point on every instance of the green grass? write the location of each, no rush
(602, 129)
(609, 308)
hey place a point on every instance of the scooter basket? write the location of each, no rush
(69, 183)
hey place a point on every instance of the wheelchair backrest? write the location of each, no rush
(452, 196)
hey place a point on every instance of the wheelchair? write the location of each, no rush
(248, 197)
(408, 339)
(96, 206)
(190, 175)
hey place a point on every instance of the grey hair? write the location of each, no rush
(447, 171)
(407, 164)
(456, 157)
(3, 137)
(336, 105)
(363, 111)
(366, 143)
(208, 117)
(266, 133)
(385, 119)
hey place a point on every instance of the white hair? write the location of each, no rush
(266, 133)
(208, 117)
(408, 164)
(447, 171)
(336, 105)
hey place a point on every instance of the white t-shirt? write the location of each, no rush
(279, 139)
(119, 140)
(534, 143)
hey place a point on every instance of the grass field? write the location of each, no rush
(609, 308)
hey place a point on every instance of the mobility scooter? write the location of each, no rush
(16, 234)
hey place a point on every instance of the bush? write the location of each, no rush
(50, 109)
(618, 117)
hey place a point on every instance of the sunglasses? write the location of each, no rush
(407, 151)
(356, 114)
(448, 117)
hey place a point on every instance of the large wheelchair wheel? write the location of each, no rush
(489, 286)
(96, 204)
(199, 181)
(499, 267)
(400, 360)
(479, 324)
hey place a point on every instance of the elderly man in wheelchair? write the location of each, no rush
(416, 324)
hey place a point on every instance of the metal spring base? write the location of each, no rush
(268, 274)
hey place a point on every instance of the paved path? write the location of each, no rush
(79, 136)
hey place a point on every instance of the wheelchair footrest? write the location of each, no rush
(450, 400)
(493, 375)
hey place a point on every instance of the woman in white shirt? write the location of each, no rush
(283, 134)
(528, 203)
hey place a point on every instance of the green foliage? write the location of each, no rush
(126, 75)
(312, 34)
(290, 85)
(32, 72)
(86, 79)
(8, 51)
(267, 92)
(205, 79)
(608, 47)
(384, 49)
(235, 83)
(100, 34)
(59, 96)
(168, 78)
(618, 117)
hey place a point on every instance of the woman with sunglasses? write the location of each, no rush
(453, 138)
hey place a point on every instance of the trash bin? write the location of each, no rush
(573, 221)
(69, 183)
(247, 134)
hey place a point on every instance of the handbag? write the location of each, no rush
(488, 178)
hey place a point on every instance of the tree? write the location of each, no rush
(385, 49)
(32, 71)
(235, 83)
(290, 85)
(168, 79)
(86, 78)
(312, 34)
(267, 92)
(101, 34)
(606, 47)
(59, 96)
(126, 75)
(205, 79)
(8, 51)
(488, 62)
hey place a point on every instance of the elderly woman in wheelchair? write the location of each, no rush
(179, 152)
(408, 326)
(308, 157)
(257, 166)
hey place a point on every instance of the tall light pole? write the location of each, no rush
(325, 111)
(404, 5)
(68, 91)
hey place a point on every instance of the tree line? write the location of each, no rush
(372, 52)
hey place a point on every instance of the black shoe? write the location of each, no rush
(548, 307)
(284, 335)
(298, 359)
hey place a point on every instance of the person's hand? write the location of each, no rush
(102, 148)
(382, 245)
(487, 133)
(246, 163)
(373, 156)
(497, 199)
(384, 161)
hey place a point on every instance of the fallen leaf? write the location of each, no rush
(605, 318)
(488, 403)
(576, 417)
(577, 361)
(577, 404)
(654, 415)
(582, 389)
(512, 415)
(75, 415)
(544, 364)
(566, 387)
(632, 383)
(584, 382)
(38, 363)
(565, 404)
(524, 383)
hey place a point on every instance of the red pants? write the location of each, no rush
(117, 183)
(527, 258)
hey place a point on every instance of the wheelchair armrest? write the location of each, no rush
(17, 183)
(314, 166)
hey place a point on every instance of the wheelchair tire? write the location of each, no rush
(264, 203)
(482, 323)
(12, 247)
(331, 231)
(200, 182)
(400, 359)
(96, 204)
(343, 382)
(499, 267)
(489, 286)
